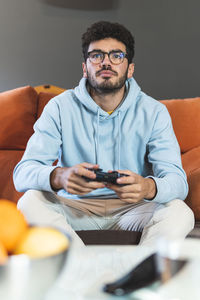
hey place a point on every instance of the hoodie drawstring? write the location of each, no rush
(97, 139)
(118, 140)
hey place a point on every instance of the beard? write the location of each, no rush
(106, 87)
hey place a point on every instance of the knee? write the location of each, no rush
(27, 199)
(183, 213)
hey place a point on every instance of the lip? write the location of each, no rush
(106, 73)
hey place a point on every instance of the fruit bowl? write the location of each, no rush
(23, 277)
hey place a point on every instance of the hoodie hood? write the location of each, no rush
(83, 96)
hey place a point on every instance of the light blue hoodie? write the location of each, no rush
(137, 136)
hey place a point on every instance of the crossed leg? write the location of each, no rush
(173, 220)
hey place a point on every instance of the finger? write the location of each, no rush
(130, 179)
(90, 184)
(79, 170)
(130, 198)
(96, 185)
(131, 188)
(116, 187)
(124, 188)
(78, 183)
(127, 172)
(89, 165)
(80, 193)
(73, 188)
(129, 195)
(113, 187)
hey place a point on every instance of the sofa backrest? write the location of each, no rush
(186, 121)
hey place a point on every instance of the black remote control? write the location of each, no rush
(153, 268)
(104, 176)
(142, 275)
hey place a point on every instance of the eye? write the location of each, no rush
(117, 55)
(96, 55)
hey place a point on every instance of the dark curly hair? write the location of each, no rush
(102, 30)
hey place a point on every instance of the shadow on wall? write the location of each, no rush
(84, 4)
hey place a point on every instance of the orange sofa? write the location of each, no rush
(20, 108)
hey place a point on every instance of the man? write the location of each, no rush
(106, 122)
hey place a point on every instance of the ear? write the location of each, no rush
(84, 67)
(131, 69)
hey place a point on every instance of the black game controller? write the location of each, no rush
(105, 177)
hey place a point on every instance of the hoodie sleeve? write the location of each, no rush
(33, 171)
(164, 155)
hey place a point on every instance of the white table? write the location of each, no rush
(88, 268)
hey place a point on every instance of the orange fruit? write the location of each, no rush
(3, 254)
(12, 224)
(41, 242)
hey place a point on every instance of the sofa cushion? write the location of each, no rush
(8, 160)
(18, 109)
(43, 99)
(186, 121)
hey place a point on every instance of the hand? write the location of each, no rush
(135, 189)
(71, 179)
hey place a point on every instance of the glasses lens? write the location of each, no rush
(116, 57)
(95, 57)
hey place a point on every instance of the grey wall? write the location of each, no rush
(40, 42)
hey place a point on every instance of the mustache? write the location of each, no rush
(108, 68)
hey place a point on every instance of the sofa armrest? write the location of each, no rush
(191, 165)
(193, 198)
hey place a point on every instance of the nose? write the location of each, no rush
(106, 60)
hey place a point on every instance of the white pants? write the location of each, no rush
(173, 220)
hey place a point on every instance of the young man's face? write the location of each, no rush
(105, 76)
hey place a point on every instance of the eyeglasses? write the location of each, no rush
(115, 57)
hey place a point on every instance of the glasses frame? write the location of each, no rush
(108, 53)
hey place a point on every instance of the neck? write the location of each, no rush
(107, 101)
